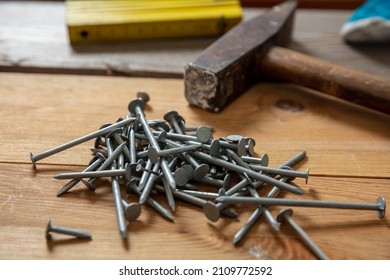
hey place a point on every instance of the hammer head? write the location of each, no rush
(232, 64)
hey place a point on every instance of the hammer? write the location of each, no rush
(253, 50)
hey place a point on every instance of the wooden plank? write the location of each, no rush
(41, 27)
(348, 153)
(285, 118)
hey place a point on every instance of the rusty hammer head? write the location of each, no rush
(231, 64)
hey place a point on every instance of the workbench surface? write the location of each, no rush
(348, 153)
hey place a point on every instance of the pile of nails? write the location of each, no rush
(167, 157)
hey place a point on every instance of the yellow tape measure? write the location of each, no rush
(119, 20)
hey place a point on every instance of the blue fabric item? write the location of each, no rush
(372, 8)
(369, 23)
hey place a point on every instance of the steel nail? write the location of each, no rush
(216, 182)
(68, 231)
(169, 195)
(155, 155)
(132, 147)
(250, 173)
(181, 176)
(239, 147)
(98, 160)
(153, 203)
(96, 174)
(268, 216)
(264, 160)
(171, 118)
(273, 193)
(149, 184)
(282, 171)
(380, 206)
(136, 107)
(131, 210)
(107, 163)
(144, 176)
(60, 148)
(200, 170)
(194, 127)
(116, 191)
(285, 216)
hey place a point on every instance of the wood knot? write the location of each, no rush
(289, 105)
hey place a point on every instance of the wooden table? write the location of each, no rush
(348, 153)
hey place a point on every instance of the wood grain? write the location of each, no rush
(34, 39)
(347, 150)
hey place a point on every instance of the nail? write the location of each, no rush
(116, 191)
(68, 231)
(139, 168)
(199, 202)
(282, 171)
(195, 127)
(215, 182)
(96, 174)
(118, 139)
(273, 193)
(202, 136)
(131, 210)
(60, 148)
(107, 163)
(234, 138)
(250, 173)
(153, 203)
(170, 117)
(154, 155)
(136, 107)
(181, 176)
(144, 176)
(204, 195)
(149, 184)
(169, 195)
(264, 160)
(250, 146)
(268, 216)
(285, 216)
(200, 170)
(132, 148)
(239, 147)
(380, 206)
(98, 160)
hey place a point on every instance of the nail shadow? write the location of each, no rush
(51, 242)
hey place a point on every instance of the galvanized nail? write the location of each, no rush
(285, 216)
(68, 231)
(380, 206)
(60, 148)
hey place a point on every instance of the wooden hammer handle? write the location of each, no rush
(354, 86)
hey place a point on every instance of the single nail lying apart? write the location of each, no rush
(68, 231)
